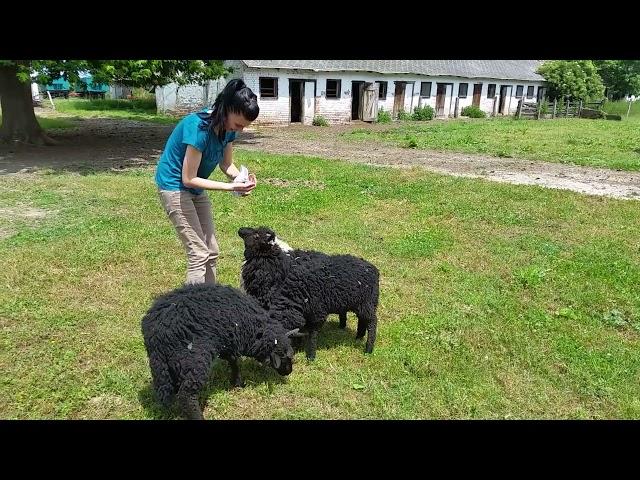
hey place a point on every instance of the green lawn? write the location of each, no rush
(622, 107)
(141, 110)
(598, 143)
(50, 123)
(497, 301)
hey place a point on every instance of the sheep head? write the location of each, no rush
(259, 241)
(281, 357)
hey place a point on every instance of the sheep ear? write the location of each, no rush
(298, 334)
(292, 332)
(245, 231)
(275, 361)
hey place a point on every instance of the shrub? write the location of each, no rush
(402, 115)
(423, 113)
(473, 112)
(384, 116)
(320, 121)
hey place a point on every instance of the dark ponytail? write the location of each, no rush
(236, 97)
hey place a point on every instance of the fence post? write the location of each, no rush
(538, 109)
(580, 109)
(53, 105)
(455, 111)
(629, 109)
(566, 109)
(519, 110)
(555, 107)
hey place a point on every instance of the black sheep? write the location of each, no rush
(304, 287)
(186, 329)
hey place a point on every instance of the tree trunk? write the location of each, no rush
(19, 121)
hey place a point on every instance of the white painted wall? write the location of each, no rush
(335, 110)
(118, 90)
(173, 99)
(35, 92)
(486, 104)
(309, 108)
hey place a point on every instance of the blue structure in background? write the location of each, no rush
(85, 87)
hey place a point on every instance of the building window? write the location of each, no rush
(382, 91)
(268, 87)
(519, 90)
(425, 89)
(491, 90)
(333, 89)
(530, 91)
(462, 90)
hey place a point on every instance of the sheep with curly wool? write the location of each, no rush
(306, 286)
(186, 329)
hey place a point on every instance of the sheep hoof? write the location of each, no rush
(311, 358)
(239, 384)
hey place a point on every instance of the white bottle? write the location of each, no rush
(242, 177)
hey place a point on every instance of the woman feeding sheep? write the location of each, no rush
(200, 142)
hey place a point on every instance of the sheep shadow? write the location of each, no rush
(253, 373)
(331, 335)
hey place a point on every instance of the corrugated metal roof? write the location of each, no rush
(499, 69)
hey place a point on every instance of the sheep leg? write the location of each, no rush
(367, 323)
(195, 372)
(362, 326)
(371, 334)
(236, 378)
(343, 319)
(189, 405)
(312, 344)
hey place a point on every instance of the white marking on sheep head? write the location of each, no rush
(284, 246)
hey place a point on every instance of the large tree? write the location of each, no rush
(577, 79)
(620, 77)
(18, 117)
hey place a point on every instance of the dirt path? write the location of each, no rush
(326, 142)
(108, 144)
(95, 144)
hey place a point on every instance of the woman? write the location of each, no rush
(199, 142)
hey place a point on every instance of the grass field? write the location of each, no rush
(141, 110)
(497, 301)
(597, 143)
(53, 123)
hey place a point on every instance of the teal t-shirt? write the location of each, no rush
(188, 132)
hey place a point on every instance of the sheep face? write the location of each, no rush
(259, 241)
(281, 357)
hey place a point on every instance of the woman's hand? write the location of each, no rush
(243, 187)
(252, 179)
